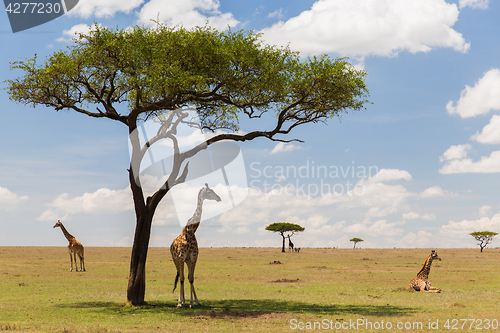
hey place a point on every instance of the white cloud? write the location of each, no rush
(280, 179)
(490, 132)
(379, 228)
(481, 4)
(455, 152)
(414, 216)
(283, 147)
(487, 164)
(420, 239)
(359, 28)
(484, 210)
(461, 230)
(385, 175)
(480, 99)
(433, 192)
(9, 200)
(411, 216)
(277, 13)
(429, 217)
(102, 201)
(74, 31)
(188, 13)
(108, 8)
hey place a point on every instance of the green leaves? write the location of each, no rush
(284, 227)
(223, 74)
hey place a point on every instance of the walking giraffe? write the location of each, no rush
(184, 248)
(74, 247)
(421, 281)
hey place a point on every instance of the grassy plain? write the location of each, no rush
(241, 291)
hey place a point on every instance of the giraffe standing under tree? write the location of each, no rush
(421, 281)
(75, 247)
(290, 244)
(184, 248)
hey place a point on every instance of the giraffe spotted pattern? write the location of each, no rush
(75, 247)
(184, 248)
(421, 281)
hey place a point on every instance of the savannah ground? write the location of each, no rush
(241, 291)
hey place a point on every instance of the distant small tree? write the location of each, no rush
(356, 241)
(483, 237)
(286, 230)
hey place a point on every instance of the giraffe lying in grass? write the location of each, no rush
(421, 281)
(75, 248)
(184, 248)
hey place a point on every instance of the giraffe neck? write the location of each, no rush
(195, 219)
(426, 268)
(68, 236)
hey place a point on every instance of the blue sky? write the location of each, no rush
(425, 154)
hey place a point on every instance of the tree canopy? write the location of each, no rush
(286, 230)
(132, 75)
(483, 237)
(356, 241)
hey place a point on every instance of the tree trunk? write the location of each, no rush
(283, 247)
(137, 277)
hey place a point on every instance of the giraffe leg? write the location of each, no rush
(432, 289)
(82, 261)
(74, 257)
(180, 271)
(70, 258)
(191, 266)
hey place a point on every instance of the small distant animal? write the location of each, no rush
(297, 249)
(421, 281)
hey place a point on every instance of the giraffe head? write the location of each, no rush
(434, 255)
(58, 224)
(207, 193)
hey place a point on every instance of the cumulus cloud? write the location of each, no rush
(378, 228)
(359, 28)
(188, 13)
(419, 239)
(372, 199)
(481, 4)
(9, 200)
(487, 164)
(385, 175)
(480, 99)
(484, 210)
(490, 133)
(433, 192)
(283, 147)
(411, 216)
(104, 9)
(414, 216)
(461, 230)
(455, 152)
(102, 201)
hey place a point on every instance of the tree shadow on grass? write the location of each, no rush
(246, 308)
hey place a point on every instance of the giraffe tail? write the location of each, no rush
(175, 282)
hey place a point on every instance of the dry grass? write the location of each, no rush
(241, 291)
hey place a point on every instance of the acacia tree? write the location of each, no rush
(133, 75)
(483, 237)
(355, 240)
(286, 230)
